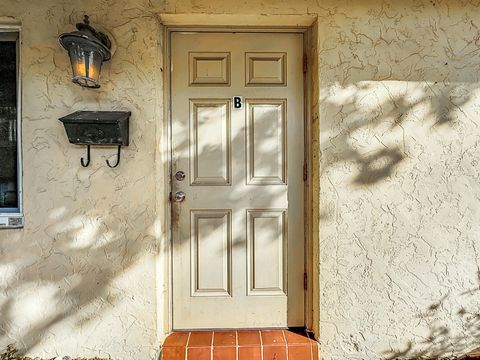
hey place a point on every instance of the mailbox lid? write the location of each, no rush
(97, 127)
(96, 116)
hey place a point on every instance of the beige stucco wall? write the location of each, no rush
(399, 199)
(398, 181)
(79, 279)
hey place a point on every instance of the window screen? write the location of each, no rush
(9, 179)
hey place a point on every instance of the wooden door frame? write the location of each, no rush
(310, 190)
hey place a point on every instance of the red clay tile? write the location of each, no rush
(225, 338)
(300, 352)
(199, 353)
(176, 339)
(200, 338)
(173, 353)
(275, 352)
(248, 337)
(224, 353)
(250, 353)
(295, 338)
(272, 337)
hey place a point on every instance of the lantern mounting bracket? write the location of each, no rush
(86, 27)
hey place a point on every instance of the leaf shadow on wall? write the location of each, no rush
(367, 137)
(442, 343)
(372, 136)
(73, 265)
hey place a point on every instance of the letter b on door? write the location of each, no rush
(237, 102)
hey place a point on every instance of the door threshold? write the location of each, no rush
(257, 344)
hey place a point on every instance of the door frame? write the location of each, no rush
(310, 84)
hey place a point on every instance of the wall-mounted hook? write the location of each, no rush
(118, 158)
(85, 164)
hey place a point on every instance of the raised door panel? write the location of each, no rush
(266, 142)
(209, 68)
(267, 69)
(267, 251)
(210, 145)
(211, 247)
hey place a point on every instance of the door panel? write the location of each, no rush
(266, 142)
(210, 142)
(266, 249)
(265, 69)
(238, 235)
(209, 68)
(211, 246)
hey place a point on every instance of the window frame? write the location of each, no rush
(13, 217)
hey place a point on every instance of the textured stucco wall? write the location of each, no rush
(79, 279)
(400, 191)
(398, 181)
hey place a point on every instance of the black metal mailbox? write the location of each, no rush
(97, 128)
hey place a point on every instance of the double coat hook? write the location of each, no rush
(87, 162)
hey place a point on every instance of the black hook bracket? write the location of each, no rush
(118, 158)
(82, 160)
(85, 163)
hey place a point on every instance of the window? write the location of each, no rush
(10, 151)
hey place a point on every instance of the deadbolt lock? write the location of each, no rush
(180, 175)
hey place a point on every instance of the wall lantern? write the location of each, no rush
(87, 49)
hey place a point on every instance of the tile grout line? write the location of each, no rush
(286, 344)
(186, 345)
(261, 343)
(211, 346)
(236, 345)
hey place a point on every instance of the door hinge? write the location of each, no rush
(305, 63)
(305, 172)
(305, 281)
(170, 196)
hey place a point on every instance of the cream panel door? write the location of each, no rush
(238, 233)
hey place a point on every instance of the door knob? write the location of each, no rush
(180, 175)
(179, 196)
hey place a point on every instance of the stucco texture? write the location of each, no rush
(397, 181)
(79, 279)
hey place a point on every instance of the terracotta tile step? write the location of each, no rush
(240, 345)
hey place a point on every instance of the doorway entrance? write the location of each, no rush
(237, 123)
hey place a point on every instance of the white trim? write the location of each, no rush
(6, 217)
(10, 28)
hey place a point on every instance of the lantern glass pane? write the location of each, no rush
(86, 66)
